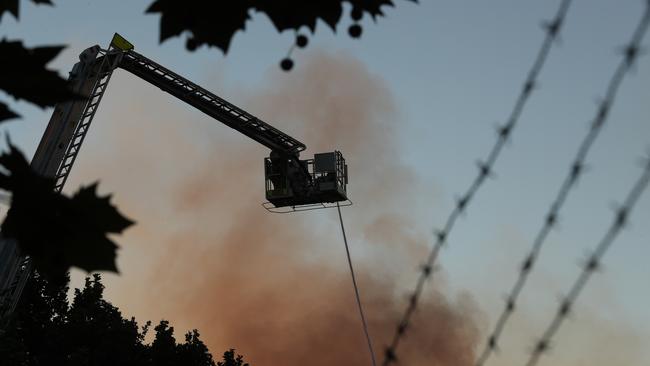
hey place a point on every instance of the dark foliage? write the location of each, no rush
(210, 22)
(23, 74)
(229, 359)
(11, 6)
(214, 23)
(47, 330)
(72, 231)
(6, 113)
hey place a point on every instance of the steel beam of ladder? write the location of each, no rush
(210, 103)
(82, 127)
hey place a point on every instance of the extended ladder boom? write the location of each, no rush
(209, 103)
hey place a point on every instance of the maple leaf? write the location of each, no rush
(12, 6)
(57, 231)
(24, 75)
(88, 246)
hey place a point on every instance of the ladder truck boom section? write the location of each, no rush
(291, 184)
(209, 103)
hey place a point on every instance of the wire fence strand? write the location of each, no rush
(552, 29)
(576, 169)
(591, 265)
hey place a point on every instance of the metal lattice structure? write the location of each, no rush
(105, 71)
(209, 103)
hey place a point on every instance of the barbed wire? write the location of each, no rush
(592, 264)
(552, 29)
(576, 169)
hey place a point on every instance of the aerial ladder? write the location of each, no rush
(291, 184)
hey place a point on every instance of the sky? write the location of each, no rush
(412, 105)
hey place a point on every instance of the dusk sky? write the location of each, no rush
(412, 105)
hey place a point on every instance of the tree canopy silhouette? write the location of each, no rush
(47, 330)
(229, 359)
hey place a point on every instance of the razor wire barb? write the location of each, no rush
(630, 54)
(591, 265)
(552, 29)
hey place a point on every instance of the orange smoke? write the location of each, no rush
(276, 287)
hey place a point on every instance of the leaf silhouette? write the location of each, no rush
(292, 14)
(6, 113)
(214, 23)
(24, 75)
(88, 247)
(12, 6)
(210, 22)
(9, 5)
(56, 231)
